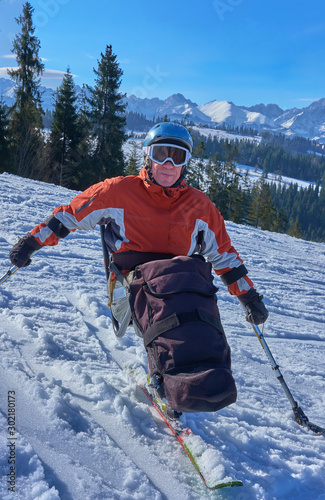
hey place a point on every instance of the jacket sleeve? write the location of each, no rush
(218, 249)
(84, 212)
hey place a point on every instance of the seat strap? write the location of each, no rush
(175, 320)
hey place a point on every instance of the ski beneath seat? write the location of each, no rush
(183, 434)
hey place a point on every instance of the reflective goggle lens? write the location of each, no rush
(160, 153)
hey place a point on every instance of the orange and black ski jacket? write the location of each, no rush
(145, 217)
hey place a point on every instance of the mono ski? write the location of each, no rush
(180, 431)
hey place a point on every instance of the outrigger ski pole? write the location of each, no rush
(300, 417)
(8, 274)
(12, 269)
(119, 328)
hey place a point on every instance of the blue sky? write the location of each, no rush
(244, 51)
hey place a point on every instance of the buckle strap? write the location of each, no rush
(234, 275)
(113, 267)
(127, 261)
(175, 320)
(59, 229)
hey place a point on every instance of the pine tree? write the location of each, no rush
(47, 119)
(267, 211)
(26, 113)
(281, 222)
(223, 181)
(134, 162)
(245, 199)
(295, 229)
(232, 183)
(200, 151)
(83, 177)
(4, 138)
(65, 136)
(216, 184)
(107, 117)
(240, 204)
(196, 169)
(262, 210)
(253, 210)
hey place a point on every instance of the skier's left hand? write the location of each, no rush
(20, 254)
(256, 312)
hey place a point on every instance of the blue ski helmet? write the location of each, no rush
(171, 133)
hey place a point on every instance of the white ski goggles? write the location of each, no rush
(161, 153)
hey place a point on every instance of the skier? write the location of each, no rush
(156, 216)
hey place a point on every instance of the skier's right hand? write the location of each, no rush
(21, 252)
(256, 312)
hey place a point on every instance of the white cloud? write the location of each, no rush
(309, 99)
(54, 74)
(3, 71)
(48, 74)
(13, 56)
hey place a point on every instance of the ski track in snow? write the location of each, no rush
(84, 431)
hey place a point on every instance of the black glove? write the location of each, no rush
(20, 254)
(256, 312)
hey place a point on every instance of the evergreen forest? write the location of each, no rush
(81, 143)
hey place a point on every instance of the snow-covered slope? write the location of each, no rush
(82, 431)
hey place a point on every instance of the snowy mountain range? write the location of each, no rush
(7, 93)
(308, 122)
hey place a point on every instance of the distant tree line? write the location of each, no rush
(134, 121)
(299, 212)
(303, 208)
(279, 157)
(231, 129)
(139, 122)
(293, 145)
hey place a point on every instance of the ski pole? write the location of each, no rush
(300, 416)
(119, 328)
(8, 274)
(105, 253)
(11, 271)
(275, 367)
